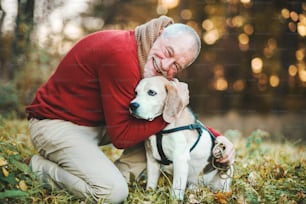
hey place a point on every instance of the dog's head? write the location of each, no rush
(157, 96)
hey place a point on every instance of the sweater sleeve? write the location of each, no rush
(118, 89)
(214, 132)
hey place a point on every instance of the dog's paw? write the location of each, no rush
(178, 194)
(192, 187)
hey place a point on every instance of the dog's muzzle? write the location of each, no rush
(133, 111)
(133, 106)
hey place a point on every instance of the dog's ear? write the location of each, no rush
(177, 99)
(183, 91)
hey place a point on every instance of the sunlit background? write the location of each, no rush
(252, 60)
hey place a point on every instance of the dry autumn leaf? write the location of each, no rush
(9, 152)
(222, 197)
(23, 186)
(5, 172)
(3, 162)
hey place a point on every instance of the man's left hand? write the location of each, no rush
(229, 150)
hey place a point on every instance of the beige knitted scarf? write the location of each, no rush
(146, 34)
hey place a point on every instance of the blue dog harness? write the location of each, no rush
(196, 126)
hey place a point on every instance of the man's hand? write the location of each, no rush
(229, 151)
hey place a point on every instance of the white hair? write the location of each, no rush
(178, 29)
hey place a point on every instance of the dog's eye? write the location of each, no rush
(151, 93)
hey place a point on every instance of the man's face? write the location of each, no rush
(168, 56)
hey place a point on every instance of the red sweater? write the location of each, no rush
(94, 84)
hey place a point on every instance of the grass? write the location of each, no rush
(265, 172)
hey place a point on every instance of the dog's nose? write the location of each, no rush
(134, 106)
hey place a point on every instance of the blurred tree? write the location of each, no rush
(8, 14)
(16, 26)
(252, 59)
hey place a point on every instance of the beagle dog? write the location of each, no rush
(185, 146)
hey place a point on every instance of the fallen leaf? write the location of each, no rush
(23, 186)
(3, 162)
(222, 197)
(9, 152)
(5, 172)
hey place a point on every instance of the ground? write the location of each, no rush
(265, 172)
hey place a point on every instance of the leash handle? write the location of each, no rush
(218, 150)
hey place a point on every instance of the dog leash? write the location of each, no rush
(217, 151)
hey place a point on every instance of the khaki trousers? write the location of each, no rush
(71, 159)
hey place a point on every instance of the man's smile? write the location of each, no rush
(155, 65)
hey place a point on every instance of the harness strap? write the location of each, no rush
(197, 125)
(163, 159)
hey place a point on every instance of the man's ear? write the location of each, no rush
(174, 105)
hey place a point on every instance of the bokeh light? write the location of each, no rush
(211, 36)
(73, 31)
(248, 29)
(285, 13)
(274, 80)
(294, 16)
(302, 71)
(302, 75)
(243, 39)
(257, 65)
(245, 1)
(300, 55)
(169, 4)
(243, 42)
(164, 5)
(301, 28)
(221, 84)
(301, 25)
(292, 26)
(292, 70)
(186, 14)
(238, 85)
(237, 21)
(207, 24)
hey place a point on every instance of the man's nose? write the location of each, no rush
(166, 63)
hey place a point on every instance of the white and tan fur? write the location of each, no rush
(157, 96)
